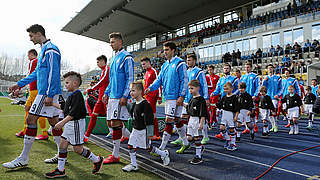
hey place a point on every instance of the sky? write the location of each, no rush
(18, 15)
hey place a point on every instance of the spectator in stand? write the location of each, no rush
(234, 55)
(257, 69)
(259, 53)
(279, 50)
(271, 51)
(307, 46)
(238, 54)
(297, 52)
(317, 50)
(314, 45)
(289, 9)
(287, 49)
(286, 58)
(293, 68)
(301, 67)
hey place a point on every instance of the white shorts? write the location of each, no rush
(243, 116)
(117, 112)
(227, 119)
(275, 103)
(138, 139)
(172, 110)
(193, 127)
(265, 114)
(308, 108)
(184, 110)
(293, 113)
(74, 131)
(38, 107)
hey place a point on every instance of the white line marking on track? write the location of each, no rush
(282, 149)
(179, 172)
(262, 164)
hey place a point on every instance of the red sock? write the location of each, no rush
(156, 127)
(92, 124)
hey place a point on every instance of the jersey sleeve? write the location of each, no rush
(157, 83)
(209, 82)
(53, 58)
(235, 86)
(204, 85)
(183, 79)
(270, 104)
(103, 80)
(236, 104)
(299, 101)
(129, 75)
(256, 85)
(29, 79)
(218, 88)
(297, 88)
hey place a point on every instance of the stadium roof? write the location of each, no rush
(136, 19)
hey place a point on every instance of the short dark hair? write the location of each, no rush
(33, 51)
(171, 45)
(192, 55)
(103, 57)
(314, 80)
(116, 35)
(242, 85)
(226, 64)
(74, 75)
(308, 88)
(211, 66)
(238, 70)
(194, 83)
(249, 63)
(270, 65)
(145, 59)
(263, 88)
(37, 28)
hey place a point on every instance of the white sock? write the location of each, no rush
(57, 140)
(205, 130)
(198, 151)
(245, 124)
(116, 147)
(309, 123)
(182, 135)
(265, 129)
(61, 163)
(296, 126)
(272, 121)
(27, 141)
(125, 132)
(233, 140)
(291, 127)
(133, 158)
(288, 121)
(93, 157)
(238, 133)
(159, 152)
(110, 130)
(226, 135)
(165, 139)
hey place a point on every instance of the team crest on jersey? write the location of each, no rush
(251, 77)
(173, 65)
(275, 80)
(118, 61)
(192, 74)
(195, 108)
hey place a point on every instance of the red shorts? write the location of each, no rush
(153, 102)
(100, 108)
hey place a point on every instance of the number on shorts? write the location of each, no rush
(172, 111)
(115, 113)
(33, 108)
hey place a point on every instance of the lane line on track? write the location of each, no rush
(258, 163)
(148, 159)
(281, 149)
